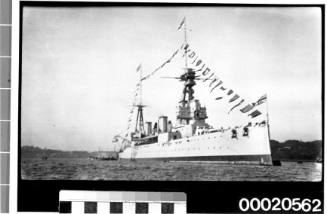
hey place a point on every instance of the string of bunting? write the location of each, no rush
(215, 83)
(161, 66)
(129, 121)
(255, 113)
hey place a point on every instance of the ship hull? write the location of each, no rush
(228, 159)
(219, 146)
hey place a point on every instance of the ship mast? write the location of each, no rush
(139, 127)
(189, 75)
(188, 78)
(185, 44)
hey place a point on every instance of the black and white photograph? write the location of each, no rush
(171, 93)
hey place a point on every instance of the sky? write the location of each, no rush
(79, 69)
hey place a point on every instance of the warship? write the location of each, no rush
(191, 138)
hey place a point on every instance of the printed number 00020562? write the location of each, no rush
(277, 204)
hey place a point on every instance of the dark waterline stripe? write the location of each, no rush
(254, 159)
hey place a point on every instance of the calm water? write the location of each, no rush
(86, 169)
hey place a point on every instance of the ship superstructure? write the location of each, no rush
(191, 138)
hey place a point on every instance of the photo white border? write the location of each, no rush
(15, 78)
